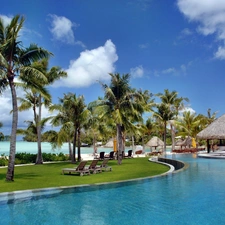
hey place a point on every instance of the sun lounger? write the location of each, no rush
(94, 168)
(104, 166)
(101, 156)
(80, 169)
(110, 155)
(129, 154)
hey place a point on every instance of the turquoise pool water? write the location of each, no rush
(194, 196)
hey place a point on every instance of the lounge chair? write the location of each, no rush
(94, 168)
(79, 169)
(110, 155)
(129, 154)
(101, 155)
(104, 165)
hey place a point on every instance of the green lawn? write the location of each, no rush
(49, 175)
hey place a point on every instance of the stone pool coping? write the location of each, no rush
(10, 197)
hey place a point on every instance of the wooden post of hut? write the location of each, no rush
(208, 146)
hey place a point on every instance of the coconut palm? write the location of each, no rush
(2, 137)
(62, 118)
(148, 104)
(188, 125)
(121, 104)
(72, 115)
(97, 128)
(175, 104)
(15, 60)
(31, 100)
(1, 134)
(164, 114)
(41, 97)
(30, 133)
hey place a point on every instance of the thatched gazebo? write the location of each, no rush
(109, 144)
(216, 130)
(155, 142)
(186, 142)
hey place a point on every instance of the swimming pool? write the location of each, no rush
(194, 196)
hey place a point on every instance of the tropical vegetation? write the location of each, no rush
(16, 60)
(123, 113)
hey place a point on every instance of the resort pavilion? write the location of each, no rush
(216, 130)
(155, 142)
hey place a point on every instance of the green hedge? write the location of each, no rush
(24, 158)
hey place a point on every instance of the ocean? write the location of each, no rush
(31, 147)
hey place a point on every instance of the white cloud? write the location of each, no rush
(188, 109)
(137, 72)
(92, 65)
(220, 54)
(210, 14)
(186, 32)
(143, 46)
(6, 116)
(5, 108)
(170, 70)
(62, 29)
(6, 19)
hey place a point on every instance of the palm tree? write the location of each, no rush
(72, 116)
(164, 114)
(31, 100)
(175, 104)
(30, 133)
(43, 98)
(15, 60)
(1, 134)
(188, 125)
(96, 128)
(121, 104)
(148, 104)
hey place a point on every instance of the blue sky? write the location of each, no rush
(176, 45)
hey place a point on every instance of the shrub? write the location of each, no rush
(24, 158)
(3, 162)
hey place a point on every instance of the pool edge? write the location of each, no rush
(10, 197)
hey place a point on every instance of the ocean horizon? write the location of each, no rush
(31, 147)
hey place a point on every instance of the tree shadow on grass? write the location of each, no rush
(27, 176)
(2, 175)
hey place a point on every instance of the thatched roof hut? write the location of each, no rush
(186, 142)
(155, 142)
(216, 130)
(109, 144)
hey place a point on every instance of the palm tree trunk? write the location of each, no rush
(70, 150)
(74, 146)
(143, 144)
(11, 164)
(172, 136)
(120, 143)
(78, 148)
(39, 159)
(164, 138)
(132, 138)
(94, 145)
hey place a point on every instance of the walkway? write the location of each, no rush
(219, 154)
